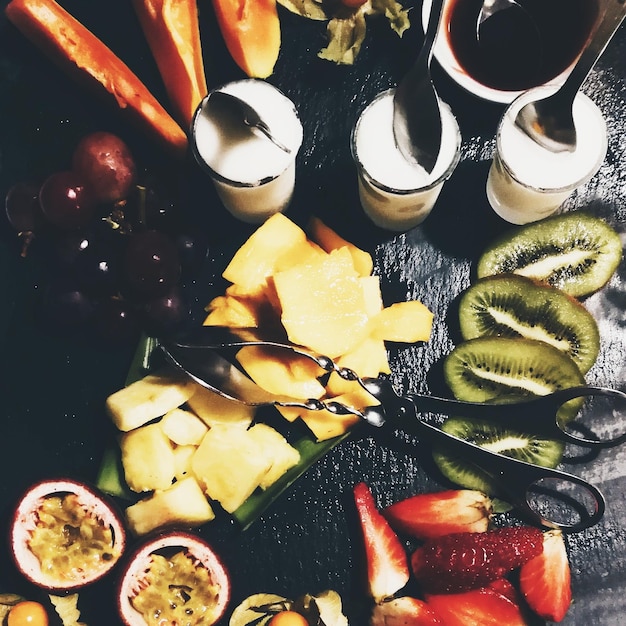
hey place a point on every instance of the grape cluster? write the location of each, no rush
(114, 245)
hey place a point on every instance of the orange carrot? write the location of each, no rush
(82, 55)
(173, 33)
(251, 30)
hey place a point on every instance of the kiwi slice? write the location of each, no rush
(509, 305)
(485, 368)
(496, 438)
(575, 251)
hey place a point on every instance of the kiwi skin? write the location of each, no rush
(510, 305)
(545, 249)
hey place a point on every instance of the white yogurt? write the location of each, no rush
(253, 177)
(395, 193)
(527, 182)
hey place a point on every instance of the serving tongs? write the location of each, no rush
(550, 497)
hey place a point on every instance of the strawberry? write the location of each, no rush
(387, 563)
(429, 515)
(478, 607)
(545, 580)
(404, 611)
(462, 561)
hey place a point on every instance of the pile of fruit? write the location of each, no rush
(112, 240)
(183, 446)
(526, 332)
(466, 572)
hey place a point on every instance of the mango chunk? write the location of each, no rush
(182, 461)
(329, 240)
(404, 322)
(323, 306)
(141, 448)
(283, 374)
(276, 241)
(148, 398)
(184, 503)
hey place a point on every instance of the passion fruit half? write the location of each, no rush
(176, 577)
(65, 535)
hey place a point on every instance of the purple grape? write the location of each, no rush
(165, 314)
(66, 200)
(65, 307)
(22, 208)
(116, 321)
(151, 264)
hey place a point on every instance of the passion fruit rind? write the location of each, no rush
(65, 534)
(173, 574)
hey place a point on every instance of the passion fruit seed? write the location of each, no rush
(175, 578)
(64, 535)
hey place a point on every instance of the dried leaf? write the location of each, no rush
(345, 37)
(311, 9)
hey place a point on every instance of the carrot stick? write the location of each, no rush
(82, 55)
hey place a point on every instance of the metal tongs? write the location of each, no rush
(550, 497)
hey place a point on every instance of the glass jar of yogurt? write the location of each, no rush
(395, 193)
(528, 182)
(253, 176)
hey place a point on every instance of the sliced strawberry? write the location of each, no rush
(387, 563)
(545, 580)
(478, 607)
(404, 611)
(429, 515)
(505, 588)
(464, 561)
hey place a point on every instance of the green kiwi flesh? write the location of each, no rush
(510, 305)
(575, 251)
(485, 368)
(496, 438)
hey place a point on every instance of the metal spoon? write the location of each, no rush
(550, 121)
(416, 112)
(490, 7)
(249, 116)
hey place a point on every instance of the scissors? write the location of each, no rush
(549, 497)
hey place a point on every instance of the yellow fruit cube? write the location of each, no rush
(214, 409)
(183, 427)
(228, 465)
(278, 238)
(182, 460)
(404, 322)
(282, 373)
(274, 446)
(329, 240)
(148, 398)
(184, 503)
(368, 359)
(323, 306)
(147, 458)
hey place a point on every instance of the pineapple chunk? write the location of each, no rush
(228, 465)
(148, 398)
(214, 409)
(147, 458)
(183, 427)
(273, 445)
(329, 240)
(183, 503)
(323, 304)
(404, 322)
(182, 460)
